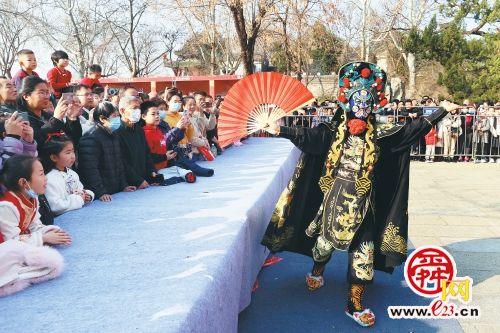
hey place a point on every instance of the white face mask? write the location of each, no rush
(175, 107)
(134, 115)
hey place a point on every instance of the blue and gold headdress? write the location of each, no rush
(365, 82)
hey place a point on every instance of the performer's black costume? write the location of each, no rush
(349, 190)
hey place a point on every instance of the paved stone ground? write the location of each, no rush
(457, 206)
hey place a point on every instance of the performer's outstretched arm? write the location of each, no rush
(413, 131)
(314, 140)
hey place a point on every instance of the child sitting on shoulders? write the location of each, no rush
(64, 190)
(158, 143)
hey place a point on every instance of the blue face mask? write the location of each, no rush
(163, 114)
(175, 107)
(30, 193)
(114, 123)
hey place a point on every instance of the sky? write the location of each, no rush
(43, 52)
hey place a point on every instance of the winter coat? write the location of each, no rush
(101, 164)
(19, 77)
(64, 191)
(22, 224)
(12, 145)
(452, 124)
(136, 155)
(45, 125)
(158, 143)
(59, 80)
(198, 139)
(172, 119)
(22, 265)
(431, 137)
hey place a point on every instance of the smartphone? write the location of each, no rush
(24, 116)
(185, 113)
(68, 97)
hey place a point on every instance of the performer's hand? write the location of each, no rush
(272, 128)
(448, 106)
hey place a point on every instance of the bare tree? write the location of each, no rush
(14, 33)
(204, 13)
(76, 27)
(170, 40)
(405, 18)
(248, 29)
(137, 43)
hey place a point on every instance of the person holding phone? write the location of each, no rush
(34, 98)
(16, 137)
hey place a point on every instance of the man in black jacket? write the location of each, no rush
(139, 167)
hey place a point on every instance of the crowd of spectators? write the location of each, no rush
(469, 135)
(65, 143)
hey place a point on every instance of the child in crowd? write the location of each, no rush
(24, 179)
(139, 167)
(59, 77)
(183, 148)
(28, 64)
(92, 79)
(64, 190)
(101, 161)
(159, 142)
(431, 139)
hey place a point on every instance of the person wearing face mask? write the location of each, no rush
(101, 166)
(23, 258)
(24, 179)
(173, 116)
(139, 167)
(183, 148)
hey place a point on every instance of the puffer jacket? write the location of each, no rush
(101, 162)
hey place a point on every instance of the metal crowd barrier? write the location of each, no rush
(465, 143)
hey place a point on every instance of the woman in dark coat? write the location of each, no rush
(34, 99)
(101, 161)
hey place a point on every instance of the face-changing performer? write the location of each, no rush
(349, 190)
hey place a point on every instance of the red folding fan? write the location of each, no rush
(257, 100)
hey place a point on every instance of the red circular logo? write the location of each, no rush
(426, 268)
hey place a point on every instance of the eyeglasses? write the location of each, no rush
(85, 95)
(43, 93)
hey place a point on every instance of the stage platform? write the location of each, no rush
(181, 258)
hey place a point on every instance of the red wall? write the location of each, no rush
(214, 85)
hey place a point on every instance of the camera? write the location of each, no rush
(113, 91)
